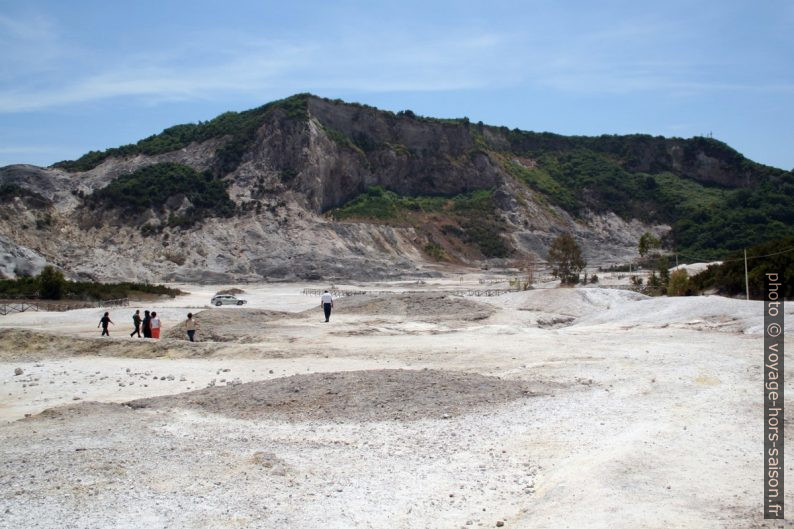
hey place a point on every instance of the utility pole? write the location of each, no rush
(746, 279)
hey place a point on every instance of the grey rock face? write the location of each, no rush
(292, 172)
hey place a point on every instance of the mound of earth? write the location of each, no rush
(28, 346)
(416, 306)
(233, 291)
(708, 313)
(570, 302)
(229, 324)
(376, 395)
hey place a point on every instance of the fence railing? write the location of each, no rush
(16, 306)
(477, 292)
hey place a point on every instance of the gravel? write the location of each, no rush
(373, 395)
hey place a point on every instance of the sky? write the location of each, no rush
(87, 75)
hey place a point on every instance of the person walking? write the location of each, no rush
(327, 303)
(136, 320)
(190, 327)
(147, 324)
(155, 323)
(104, 322)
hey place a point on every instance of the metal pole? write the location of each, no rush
(746, 279)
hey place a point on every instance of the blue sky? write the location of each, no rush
(86, 75)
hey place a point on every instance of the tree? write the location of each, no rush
(566, 259)
(647, 243)
(679, 283)
(51, 283)
(663, 266)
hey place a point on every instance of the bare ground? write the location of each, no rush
(636, 413)
(373, 395)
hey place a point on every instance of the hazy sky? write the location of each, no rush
(86, 75)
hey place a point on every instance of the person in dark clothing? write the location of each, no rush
(327, 303)
(136, 320)
(147, 324)
(104, 322)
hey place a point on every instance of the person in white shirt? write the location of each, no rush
(327, 303)
(155, 323)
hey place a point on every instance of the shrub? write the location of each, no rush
(728, 278)
(51, 283)
(678, 285)
(152, 186)
(9, 192)
(435, 251)
(474, 212)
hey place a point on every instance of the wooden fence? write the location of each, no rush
(14, 306)
(478, 292)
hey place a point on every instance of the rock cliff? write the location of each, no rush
(287, 168)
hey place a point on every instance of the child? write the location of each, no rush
(104, 323)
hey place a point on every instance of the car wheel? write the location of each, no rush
(239, 302)
(218, 304)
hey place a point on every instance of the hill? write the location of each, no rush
(313, 188)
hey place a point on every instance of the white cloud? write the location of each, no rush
(30, 149)
(224, 63)
(30, 46)
(45, 70)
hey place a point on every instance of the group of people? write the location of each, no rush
(150, 324)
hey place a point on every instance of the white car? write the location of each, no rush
(226, 299)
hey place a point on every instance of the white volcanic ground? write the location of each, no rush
(552, 408)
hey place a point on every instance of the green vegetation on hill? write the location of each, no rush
(728, 278)
(708, 221)
(153, 186)
(651, 178)
(240, 127)
(8, 192)
(735, 204)
(50, 284)
(473, 214)
(742, 219)
(635, 152)
(381, 204)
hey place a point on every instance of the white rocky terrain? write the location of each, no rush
(550, 408)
